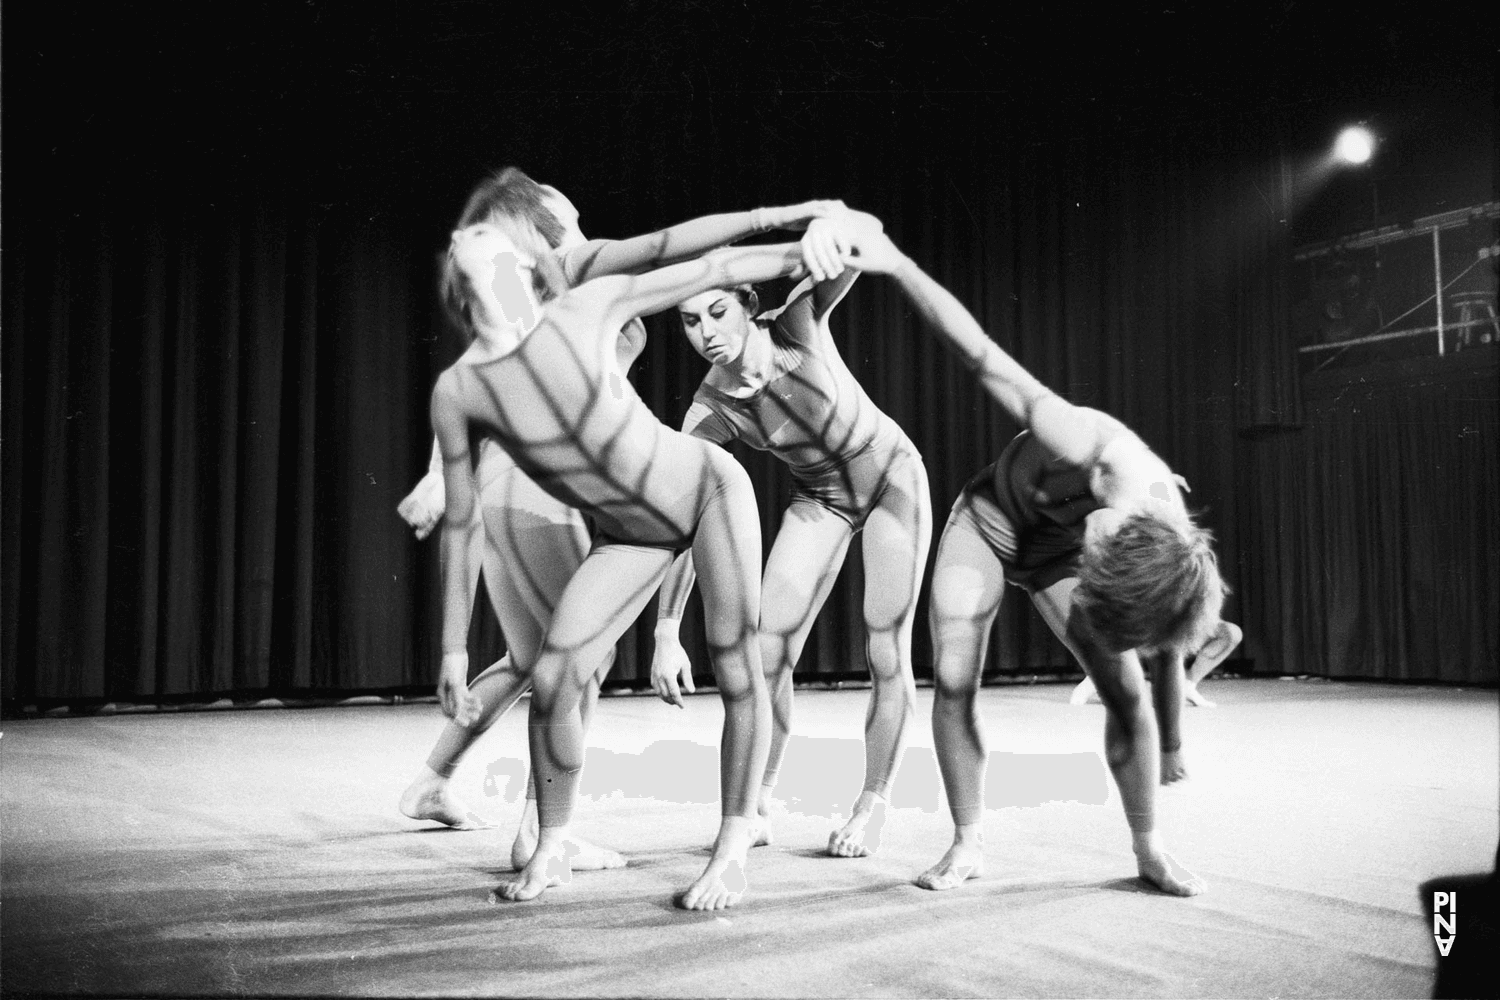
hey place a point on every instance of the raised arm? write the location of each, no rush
(1076, 434)
(684, 241)
(451, 429)
(661, 289)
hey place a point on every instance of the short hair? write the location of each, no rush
(510, 194)
(1153, 584)
(548, 281)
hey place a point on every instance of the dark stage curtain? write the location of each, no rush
(1379, 546)
(217, 354)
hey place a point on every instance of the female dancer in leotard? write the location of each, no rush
(550, 391)
(779, 384)
(529, 543)
(1082, 515)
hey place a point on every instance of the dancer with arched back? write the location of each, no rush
(528, 542)
(1083, 516)
(548, 388)
(779, 384)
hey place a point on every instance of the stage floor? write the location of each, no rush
(260, 853)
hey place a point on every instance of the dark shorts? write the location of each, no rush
(1035, 553)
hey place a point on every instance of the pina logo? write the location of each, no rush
(1444, 925)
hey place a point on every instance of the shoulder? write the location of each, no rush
(446, 390)
(576, 262)
(703, 420)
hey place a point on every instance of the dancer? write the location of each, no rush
(1172, 686)
(527, 542)
(779, 384)
(548, 388)
(1078, 512)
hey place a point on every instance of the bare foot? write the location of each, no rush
(1163, 872)
(722, 883)
(582, 855)
(1191, 694)
(860, 837)
(429, 797)
(761, 834)
(964, 860)
(1173, 767)
(548, 867)
(1083, 693)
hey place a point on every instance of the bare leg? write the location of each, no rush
(726, 552)
(967, 588)
(583, 855)
(1213, 653)
(896, 537)
(800, 571)
(1130, 738)
(606, 594)
(430, 796)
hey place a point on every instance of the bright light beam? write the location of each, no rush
(1355, 145)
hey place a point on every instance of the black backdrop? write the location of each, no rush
(219, 320)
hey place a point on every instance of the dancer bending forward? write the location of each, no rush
(528, 542)
(549, 389)
(1080, 514)
(779, 384)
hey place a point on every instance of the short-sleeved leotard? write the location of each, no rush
(811, 414)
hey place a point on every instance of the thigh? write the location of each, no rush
(602, 600)
(1117, 676)
(801, 569)
(896, 537)
(726, 552)
(534, 545)
(968, 584)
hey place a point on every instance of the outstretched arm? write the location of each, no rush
(685, 241)
(663, 288)
(1077, 434)
(452, 432)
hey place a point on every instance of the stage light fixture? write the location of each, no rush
(1355, 145)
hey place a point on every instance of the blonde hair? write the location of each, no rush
(1154, 583)
(457, 292)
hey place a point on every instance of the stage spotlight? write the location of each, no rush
(1355, 145)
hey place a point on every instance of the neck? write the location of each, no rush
(752, 369)
(495, 340)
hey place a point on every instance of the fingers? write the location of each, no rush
(821, 252)
(687, 679)
(665, 686)
(469, 709)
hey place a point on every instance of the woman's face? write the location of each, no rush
(716, 325)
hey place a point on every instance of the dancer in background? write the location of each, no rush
(529, 543)
(1083, 516)
(779, 384)
(547, 386)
